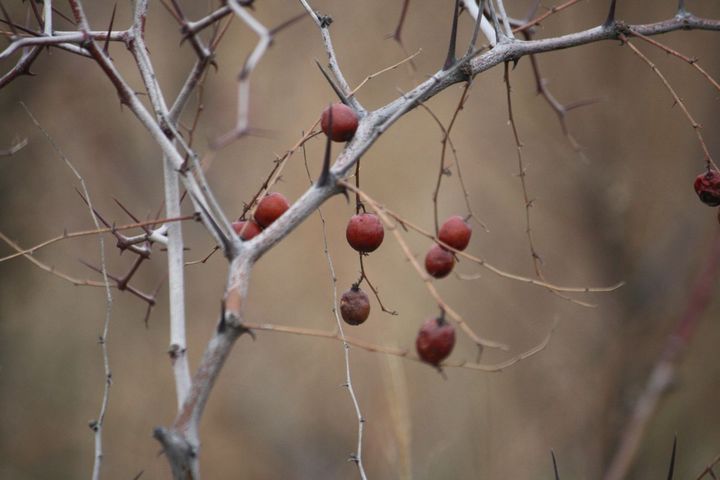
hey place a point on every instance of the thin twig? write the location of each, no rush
(443, 150)
(664, 372)
(693, 62)
(402, 352)
(16, 147)
(709, 469)
(551, 11)
(695, 125)
(98, 424)
(97, 231)
(357, 456)
(384, 70)
(448, 139)
(522, 174)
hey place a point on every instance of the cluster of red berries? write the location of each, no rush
(365, 233)
(454, 232)
(436, 337)
(268, 210)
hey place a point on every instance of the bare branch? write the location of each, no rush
(96, 425)
(664, 372)
(695, 125)
(16, 147)
(402, 352)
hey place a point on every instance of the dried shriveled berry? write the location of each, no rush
(246, 229)
(439, 262)
(354, 306)
(270, 208)
(707, 186)
(435, 340)
(344, 122)
(455, 232)
(365, 232)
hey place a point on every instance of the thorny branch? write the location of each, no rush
(357, 456)
(694, 124)
(529, 203)
(181, 441)
(96, 425)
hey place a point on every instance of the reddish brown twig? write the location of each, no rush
(522, 173)
(664, 371)
(695, 125)
(693, 62)
(551, 11)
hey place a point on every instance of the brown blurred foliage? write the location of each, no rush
(624, 211)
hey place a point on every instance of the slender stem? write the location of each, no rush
(357, 456)
(664, 372)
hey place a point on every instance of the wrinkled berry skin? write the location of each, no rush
(455, 232)
(270, 208)
(707, 187)
(435, 341)
(354, 306)
(439, 262)
(344, 122)
(246, 232)
(365, 232)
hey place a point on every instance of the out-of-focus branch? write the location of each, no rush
(16, 147)
(709, 469)
(664, 372)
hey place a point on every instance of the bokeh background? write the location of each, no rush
(623, 210)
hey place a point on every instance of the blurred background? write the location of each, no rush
(624, 209)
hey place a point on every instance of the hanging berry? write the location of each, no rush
(455, 232)
(435, 340)
(707, 187)
(439, 262)
(344, 122)
(354, 306)
(365, 232)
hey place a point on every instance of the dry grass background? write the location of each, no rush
(278, 410)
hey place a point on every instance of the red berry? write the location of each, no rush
(246, 229)
(365, 232)
(455, 232)
(344, 122)
(270, 208)
(354, 306)
(439, 262)
(707, 186)
(435, 341)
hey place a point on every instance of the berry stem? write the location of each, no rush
(364, 277)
